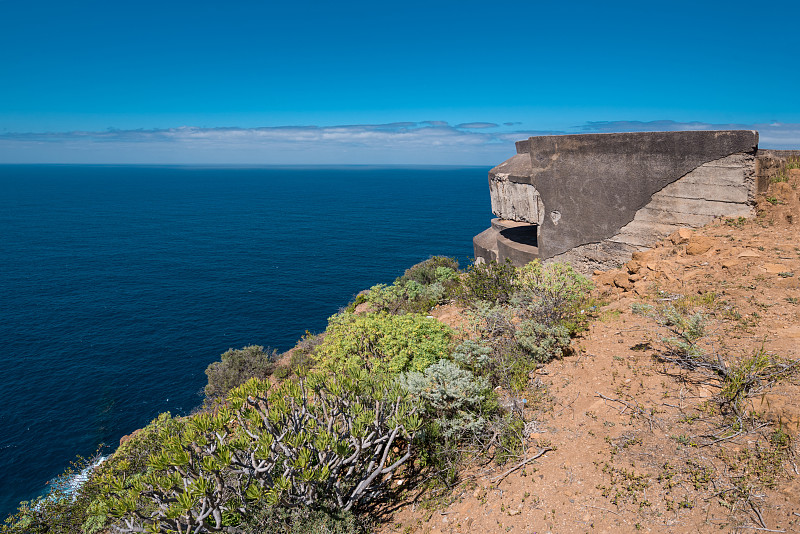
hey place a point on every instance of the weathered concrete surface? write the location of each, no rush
(593, 185)
(507, 239)
(602, 196)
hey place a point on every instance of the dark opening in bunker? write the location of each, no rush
(524, 235)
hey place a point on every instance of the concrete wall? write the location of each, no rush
(594, 199)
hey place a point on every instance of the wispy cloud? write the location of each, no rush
(771, 135)
(426, 142)
(476, 125)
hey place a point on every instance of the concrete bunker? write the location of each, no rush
(594, 199)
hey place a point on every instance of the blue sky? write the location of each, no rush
(374, 82)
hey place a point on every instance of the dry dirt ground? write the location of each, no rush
(640, 432)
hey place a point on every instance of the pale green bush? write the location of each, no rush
(398, 343)
(450, 397)
(542, 342)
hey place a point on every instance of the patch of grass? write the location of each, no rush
(750, 376)
(624, 485)
(738, 222)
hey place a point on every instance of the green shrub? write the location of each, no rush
(435, 269)
(407, 297)
(551, 293)
(458, 409)
(303, 354)
(398, 343)
(450, 397)
(236, 367)
(281, 372)
(751, 376)
(490, 282)
(513, 346)
(472, 355)
(542, 342)
(304, 520)
(422, 287)
(329, 438)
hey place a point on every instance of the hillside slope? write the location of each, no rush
(679, 410)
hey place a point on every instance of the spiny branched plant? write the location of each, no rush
(326, 439)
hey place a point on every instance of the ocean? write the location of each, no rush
(120, 284)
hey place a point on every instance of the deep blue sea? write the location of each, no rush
(120, 284)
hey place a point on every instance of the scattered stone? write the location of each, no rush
(621, 280)
(749, 254)
(775, 268)
(681, 236)
(643, 256)
(633, 266)
(699, 245)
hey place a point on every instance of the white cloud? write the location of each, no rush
(427, 142)
(476, 125)
(430, 142)
(771, 135)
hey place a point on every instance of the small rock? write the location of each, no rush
(621, 280)
(514, 512)
(749, 254)
(775, 268)
(633, 266)
(681, 236)
(642, 256)
(699, 245)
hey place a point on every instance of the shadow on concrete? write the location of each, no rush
(524, 235)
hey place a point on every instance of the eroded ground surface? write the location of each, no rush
(654, 424)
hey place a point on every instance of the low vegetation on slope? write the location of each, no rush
(675, 411)
(385, 399)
